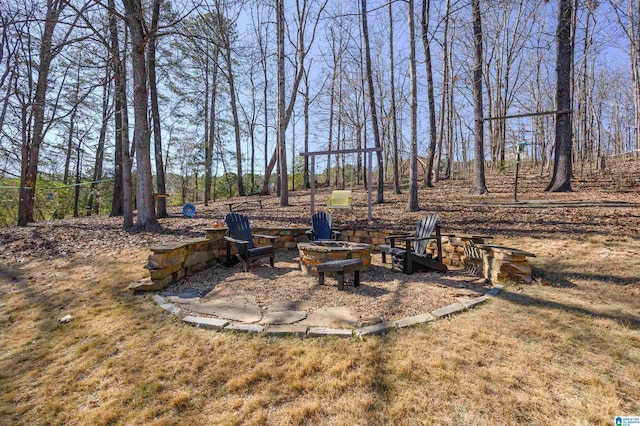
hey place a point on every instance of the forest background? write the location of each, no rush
(74, 75)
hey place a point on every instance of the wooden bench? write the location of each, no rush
(341, 267)
(243, 203)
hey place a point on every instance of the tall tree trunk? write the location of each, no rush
(282, 125)
(69, 151)
(394, 120)
(426, 5)
(479, 185)
(208, 155)
(265, 94)
(208, 160)
(76, 192)
(450, 112)
(339, 130)
(234, 113)
(251, 121)
(94, 199)
(155, 112)
(372, 102)
(31, 150)
(634, 14)
(262, 40)
(307, 184)
(72, 123)
(293, 156)
(117, 202)
(126, 150)
(146, 218)
(267, 174)
(412, 203)
(332, 97)
(561, 179)
(445, 104)
(126, 153)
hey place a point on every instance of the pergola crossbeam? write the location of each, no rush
(529, 114)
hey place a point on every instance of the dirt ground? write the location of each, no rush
(608, 203)
(386, 294)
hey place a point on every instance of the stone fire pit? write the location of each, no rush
(316, 252)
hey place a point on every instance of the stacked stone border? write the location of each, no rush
(303, 331)
(171, 262)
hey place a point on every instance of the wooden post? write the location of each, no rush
(369, 161)
(313, 184)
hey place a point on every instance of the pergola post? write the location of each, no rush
(313, 184)
(369, 185)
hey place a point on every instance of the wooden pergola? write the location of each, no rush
(368, 151)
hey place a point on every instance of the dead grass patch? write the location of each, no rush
(566, 349)
(534, 355)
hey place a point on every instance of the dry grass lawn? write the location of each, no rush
(537, 355)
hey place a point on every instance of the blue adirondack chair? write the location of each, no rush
(321, 227)
(414, 255)
(240, 235)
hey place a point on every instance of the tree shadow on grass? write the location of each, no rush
(381, 386)
(627, 320)
(566, 280)
(553, 279)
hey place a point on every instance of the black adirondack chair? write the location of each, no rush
(321, 228)
(414, 255)
(240, 234)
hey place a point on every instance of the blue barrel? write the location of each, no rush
(188, 210)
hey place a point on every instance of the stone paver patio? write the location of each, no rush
(237, 313)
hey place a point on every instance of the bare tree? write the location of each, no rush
(478, 187)
(155, 109)
(282, 127)
(337, 50)
(372, 102)
(31, 149)
(430, 95)
(394, 120)
(630, 23)
(211, 97)
(146, 218)
(446, 101)
(263, 42)
(303, 17)
(94, 199)
(122, 196)
(225, 33)
(412, 203)
(561, 179)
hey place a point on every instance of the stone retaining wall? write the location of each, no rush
(506, 264)
(171, 262)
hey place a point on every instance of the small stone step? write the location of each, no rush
(204, 322)
(327, 331)
(379, 328)
(287, 330)
(416, 319)
(454, 308)
(245, 328)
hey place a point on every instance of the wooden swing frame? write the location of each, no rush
(368, 151)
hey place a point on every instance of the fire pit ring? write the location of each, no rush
(316, 252)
